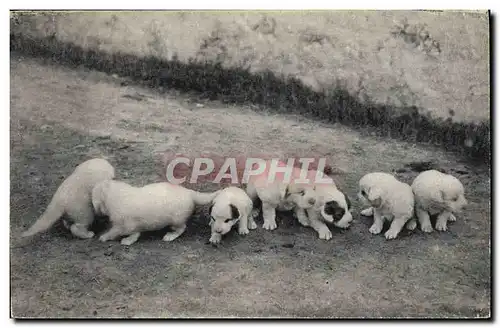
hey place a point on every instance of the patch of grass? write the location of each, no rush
(290, 95)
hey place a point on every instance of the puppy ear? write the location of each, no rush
(348, 201)
(442, 195)
(234, 211)
(376, 202)
(375, 197)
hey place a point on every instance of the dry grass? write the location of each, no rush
(60, 117)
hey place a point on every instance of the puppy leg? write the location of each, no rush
(243, 225)
(130, 239)
(424, 220)
(215, 238)
(320, 227)
(378, 222)
(396, 226)
(251, 223)
(252, 193)
(115, 231)
(301, 216)
(411, 224)
(169, 236)
(269, 213)
(367, 212)
(81, 231)
(441, 221)
(85, 217)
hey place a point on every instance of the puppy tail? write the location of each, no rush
(53, 212)
(203, 198)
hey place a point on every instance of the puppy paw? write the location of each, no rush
(325, 233)
(305, 223)
(391, 234)
(170, 237)
(342, 225)
(427, 228)
(66, 224)
(127, 241)
(252, 225)
(242, 231)
(215, 238)
(269, 225)
(103, 238)
(367, 212)
(441, 226)
(89, 234)
(375, 229)
(411, 225)
(452, 218)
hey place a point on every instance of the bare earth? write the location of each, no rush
(61, 117)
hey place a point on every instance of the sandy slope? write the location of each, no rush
(353, 48)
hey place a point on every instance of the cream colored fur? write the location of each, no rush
(327, 194)
(437, 193)
(133, 210)
(73, 199)
(279, 195)
(232, 205)
(389, 199)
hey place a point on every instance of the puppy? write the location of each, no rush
(132, 210)
(73, 199)
(437, 193)
(232, 205)
(389, 199)
(332, 206)
(279, 194)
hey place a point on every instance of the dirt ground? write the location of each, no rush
(61, 117)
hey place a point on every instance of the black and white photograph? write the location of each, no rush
(250, 164)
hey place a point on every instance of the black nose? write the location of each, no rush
(333, 208)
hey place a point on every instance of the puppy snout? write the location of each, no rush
(311, 201)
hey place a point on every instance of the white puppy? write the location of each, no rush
(437, 193)
(389, 199)
(73, 199)
(332, 206)
(232, 205)
(133, 210)
(279, 194)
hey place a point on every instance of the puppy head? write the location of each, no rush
(371, 196)
(452, 193)
(223, 217)
(337, 210)
(301, 195)
(373, 188)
